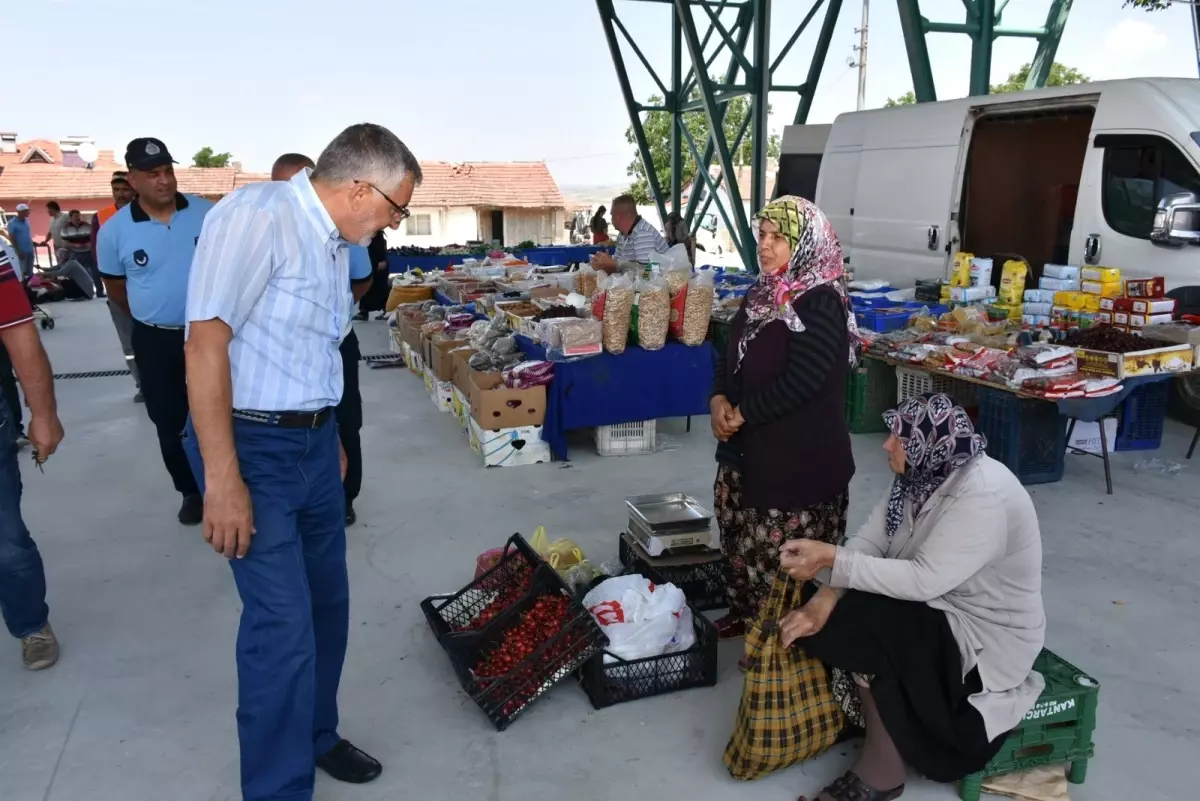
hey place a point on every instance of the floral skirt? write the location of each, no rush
(751, 538)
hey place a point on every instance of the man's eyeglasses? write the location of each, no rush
(401, 212)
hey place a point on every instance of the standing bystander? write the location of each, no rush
(77, 240)
(349, 408)
(123, 195)
(22, 240)
(58, 221)
(268, 301)
(145, 252)
(22, 576)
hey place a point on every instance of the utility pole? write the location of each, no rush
(861, 50)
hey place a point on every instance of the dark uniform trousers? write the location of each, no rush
(350, 416)
(158, 353)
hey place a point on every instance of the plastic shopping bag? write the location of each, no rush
(641, 618)
(676, 258)
(788, 713)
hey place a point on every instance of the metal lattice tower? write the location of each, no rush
(738, 35)
(741, 40)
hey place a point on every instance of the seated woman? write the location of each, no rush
(934, 606)
(784, 461)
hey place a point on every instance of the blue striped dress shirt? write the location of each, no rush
(271, 264)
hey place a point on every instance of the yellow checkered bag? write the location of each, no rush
(788, 713)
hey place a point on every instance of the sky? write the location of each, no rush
(463, 80)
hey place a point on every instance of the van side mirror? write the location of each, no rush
(1177, 221)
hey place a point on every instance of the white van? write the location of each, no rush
(1099, 174)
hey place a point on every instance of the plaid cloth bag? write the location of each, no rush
(788, 713)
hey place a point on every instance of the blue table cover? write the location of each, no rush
(1092, 410)
(636, 385)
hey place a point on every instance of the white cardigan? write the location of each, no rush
(975, 553)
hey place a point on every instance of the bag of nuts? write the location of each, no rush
(652, 313)
(615, 311)
(585, 281)
(697, 309)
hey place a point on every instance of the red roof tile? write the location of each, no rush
(36, 181)
(499, 184)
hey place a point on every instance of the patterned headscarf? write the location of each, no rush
(816, 261)
(938, 438)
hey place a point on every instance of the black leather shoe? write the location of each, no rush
(191, 513)
(351, 517)
(347, 764)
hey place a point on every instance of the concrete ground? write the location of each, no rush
(141, 708)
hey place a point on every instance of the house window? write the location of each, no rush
(1139, 171)
(418, 225)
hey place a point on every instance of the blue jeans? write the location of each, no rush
(296, 604)
(22, 577)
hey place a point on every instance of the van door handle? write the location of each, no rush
(932, 237)
(1091, 249)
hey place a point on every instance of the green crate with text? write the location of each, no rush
(870, 391)
(1057, 730)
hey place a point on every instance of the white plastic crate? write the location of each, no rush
(626, 439)
(910, 382)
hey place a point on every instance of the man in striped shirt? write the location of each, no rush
(640, 241)
(22, 577)
(269, 301)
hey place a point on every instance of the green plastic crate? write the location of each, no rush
(1057, 730)
(870, 391)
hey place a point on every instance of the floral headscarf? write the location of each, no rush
(816, 261)
(938, 439)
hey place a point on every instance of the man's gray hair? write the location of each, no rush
(625, 204)
(370, 153)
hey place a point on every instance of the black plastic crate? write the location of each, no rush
(1142, 415)
(703, 584)
(628, 680)
(504, 584)
(1026, 435)
(503, 698)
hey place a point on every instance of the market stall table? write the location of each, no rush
(1089, 410)
(636, 385)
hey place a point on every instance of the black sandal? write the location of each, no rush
(849, 787)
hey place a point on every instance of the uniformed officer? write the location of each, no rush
(145, 256)
(349, 409)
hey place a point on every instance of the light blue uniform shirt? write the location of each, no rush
(154, 258)
(360, 263)
(22, 237)
(272, 266)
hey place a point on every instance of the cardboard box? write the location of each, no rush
(496, 406)
(462, 407)
(1143, 320)
(440, 359)
(442, 395)
(1109, 289)
(1086, 436)
(1152, 361)
(1145, 287)
(410, 330)
(1104, 275)
(1146, 306)
(508, 447)
(462, 370)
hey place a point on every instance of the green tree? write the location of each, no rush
(1147, 5)
(1060, 75)
(657, 127)
(205, 157)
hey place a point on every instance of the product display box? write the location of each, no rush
(508, 447)
(495, 406)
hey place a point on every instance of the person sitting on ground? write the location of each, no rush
(934, 606)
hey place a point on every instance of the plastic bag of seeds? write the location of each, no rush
(651, 313)
(697, 310)
(615, 309)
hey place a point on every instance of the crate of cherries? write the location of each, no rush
(513, 633)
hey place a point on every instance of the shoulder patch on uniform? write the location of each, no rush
(141, 258)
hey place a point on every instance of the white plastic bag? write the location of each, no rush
(641, 618)
(676, 258)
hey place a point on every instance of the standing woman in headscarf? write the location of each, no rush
(783, 456)
(934, 606)
(599, 227)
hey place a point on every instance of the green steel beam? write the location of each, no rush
(745, 17)
(712, 188)
(981, 46)
(641, 57)
(716, 117)
(812, 12)
(722, 99)
(983, 27)
(689, 80)
(726, 36)
(607, 15)
(1043, 60)
(817, 63)
(760, 80)
(675, 101)
(918, 51)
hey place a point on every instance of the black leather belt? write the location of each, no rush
(286, 419)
